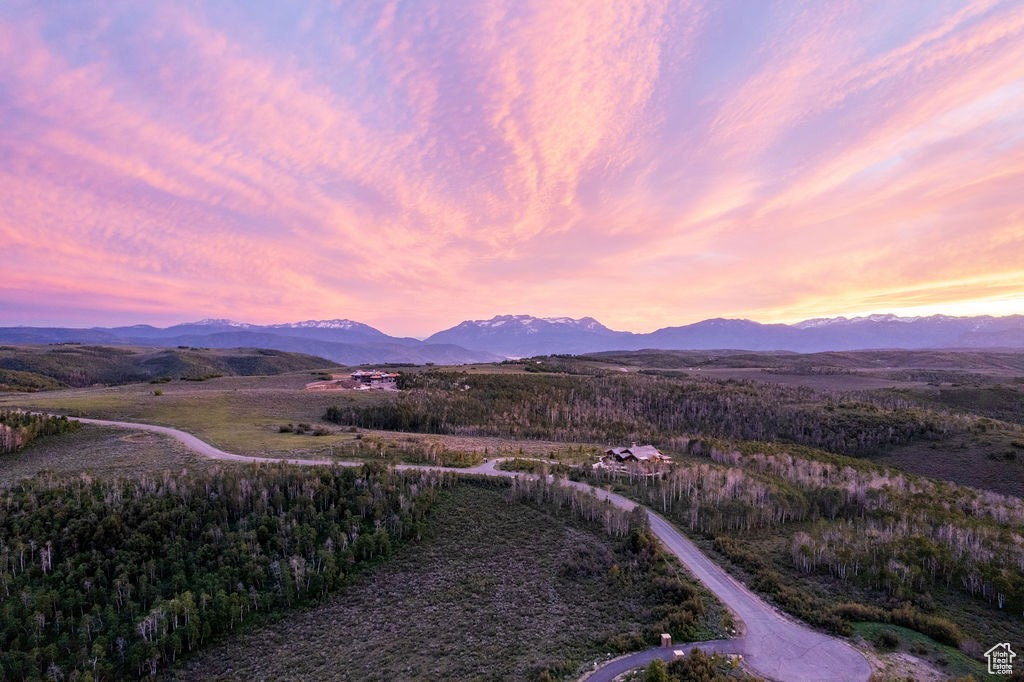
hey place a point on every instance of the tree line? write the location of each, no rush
(18, 429)
(614, 408)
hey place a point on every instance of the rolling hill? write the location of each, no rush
(33, 368)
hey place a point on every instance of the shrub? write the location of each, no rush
(939, 629)
(656, 671)
(628, 641)
(887, 639)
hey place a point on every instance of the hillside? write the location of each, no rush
(35, 368)
(340, 341)
(906, 408)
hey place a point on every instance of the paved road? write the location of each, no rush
(617, 666)
(773, 645)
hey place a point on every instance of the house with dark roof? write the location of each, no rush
(645, 457)
(636, 453)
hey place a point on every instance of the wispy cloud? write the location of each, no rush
(410, 164)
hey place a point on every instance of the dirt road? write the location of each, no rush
(773, 645)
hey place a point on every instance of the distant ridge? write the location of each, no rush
(522, 335)
(343, 341)
(350, 342)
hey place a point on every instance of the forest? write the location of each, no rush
(642, 407)
(832, 538)
(573, 581)
(103, 580)
(128, 578)
(908, 544)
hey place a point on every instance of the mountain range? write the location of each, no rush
(522, 335)
(352, 343)
(342, 341)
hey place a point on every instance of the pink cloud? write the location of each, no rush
(453, 160)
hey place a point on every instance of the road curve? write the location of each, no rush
(204, 448)
(617, 666)
(773, 645)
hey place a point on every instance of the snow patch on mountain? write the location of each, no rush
(819, 322)
(531, 324)
(220, 322)
(320, 324)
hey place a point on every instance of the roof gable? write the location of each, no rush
(640, 453)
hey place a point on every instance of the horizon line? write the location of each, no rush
(235, 323)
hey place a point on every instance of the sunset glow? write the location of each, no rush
(413, 164)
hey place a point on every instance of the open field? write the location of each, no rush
(100, 452)
(818, 382)
(239, 414)
(994, 362)
(460, 606)
(927, 372)
(245, 415)
(981, 448)
(990, 461)
(977, 400)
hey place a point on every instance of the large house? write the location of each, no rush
(374, 378)
(645, 456)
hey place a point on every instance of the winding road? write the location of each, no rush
(772, 644)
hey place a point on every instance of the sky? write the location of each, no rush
(414, 164)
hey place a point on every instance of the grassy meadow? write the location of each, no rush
(459, 606)
(101, 452)
(245, 415)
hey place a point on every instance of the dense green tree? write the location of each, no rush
(18, 428)
(121, 578)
